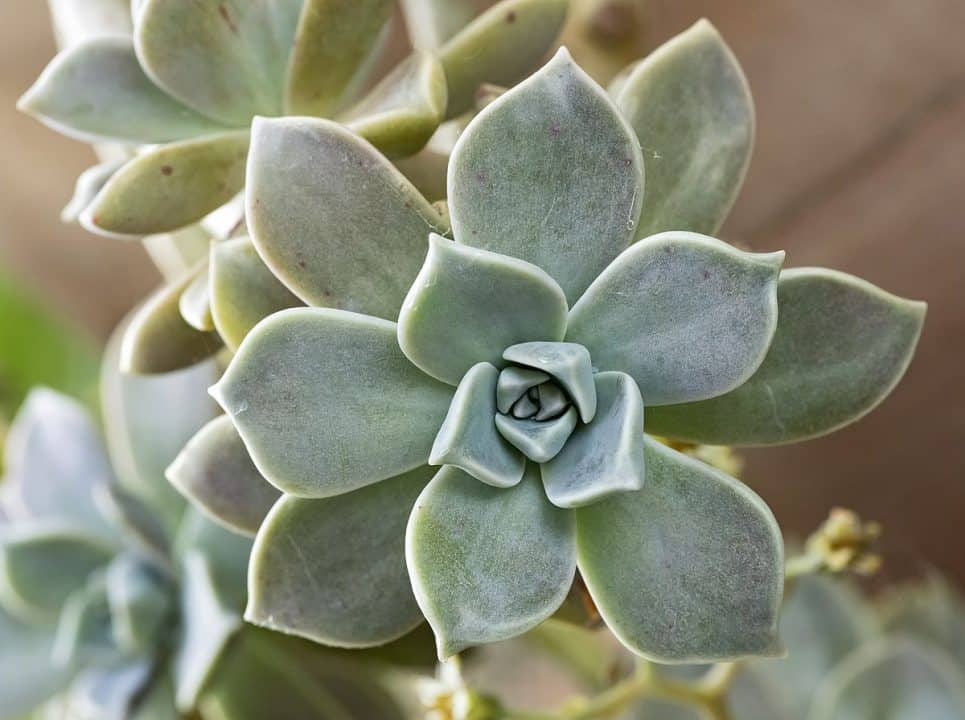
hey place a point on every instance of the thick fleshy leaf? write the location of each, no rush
(98, 91)
(549, 173)
(430, 23)
(686, 316)
(487, 563)
(40, 568)
(568, 363)
(243, 290)
(215, 472)
(170, 186)
(500, 46)
(137, 523)
(467, 305)
(513, 383)
(327, 403)
(89, 183)
(232, 64)
(209, 622)
(606, 456)
(539, 440)
(27, 677)
(403, 111)
(226, 553)
(893, 679)
(333, 570)
(108, 693)
(335, 48)
(332, 218)
(468, 438)
(195, 302)
(159, 340)
(78, 22)
(690, 105)
(707, 574)
(84, 634)
(840, 348)
(140, 602)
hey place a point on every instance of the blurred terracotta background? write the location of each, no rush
(859, 165)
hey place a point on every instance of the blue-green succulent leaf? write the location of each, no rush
(691, 108)
(568, 363)
(840, 348)
(688, 317)
(468, 305)
(226, 553)
(89, 183)
(487, 563)
(140, 601)
(539, 440)
(333, 570)
(27, 676)
(108, 693)
(215, 472)
(605, 456)
(312, 185)
(327, 403)
(707, 575)
(84, 628)
(468, 437)
(136, 522)
(500, 46)
(97, 91)
(231, 66)
(549, 173)
(513, 383)
(195, 302)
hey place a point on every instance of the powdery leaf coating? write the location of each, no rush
(243, 290)
(231, 66)
(487, 563)
(500, 46)
(468, 438)
(140, 603)
(604, 457)
(327, 403)
(707, 572)
(333, 570)
(840, 347)
(539, 440)
(569, 365)
(686, 316)
(691, 108)
(97, 91)
(215, 472)
(352, 236)
(171, 186)
(550, 173)
(466, 306)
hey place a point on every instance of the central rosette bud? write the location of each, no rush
(541, 396)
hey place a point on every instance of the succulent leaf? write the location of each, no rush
(108, 693)
(140, 603)
(317, 230)
(840, 347)
(430, 23)
(335, 47)
(97, 91)
(539, 440)
(76, 23)
(567, 363)
(685, 315)
(333, 570)
(500, 46)
(487, 563)
(195, 302)
(137, 522)
(27, 677)
(215, 472)
(707, 571)
(373, 417)
(84, 634)
(231, 66)
(549, 173)
(467, 305)
(691, 108)
(468, 438)
(89, 183)
(243, 290)
(605, 456)
(170, 186)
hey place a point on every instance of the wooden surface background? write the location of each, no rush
(859, 165)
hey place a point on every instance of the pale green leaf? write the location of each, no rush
(140, 601)
(77, 22)
(840, 348)
(84, 634)
(27, 676)
(539, 440)
(686, 316)
(137, 523)
(97, 91)
(89, 183)
(332, 218)
(430, 23)
(326, 402)
(689, 569)
(691, 108)
(109, 692)
(568, 363)
(467, 305)
(487, 563)
(333, 570)
(195, 302)
(513, 383)
(549, 173)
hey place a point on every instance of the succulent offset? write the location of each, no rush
(457, 426)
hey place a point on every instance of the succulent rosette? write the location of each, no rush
(458, 429)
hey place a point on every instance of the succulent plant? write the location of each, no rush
(570, 310)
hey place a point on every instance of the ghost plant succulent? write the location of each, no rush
(185, 100)
(457, 427)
